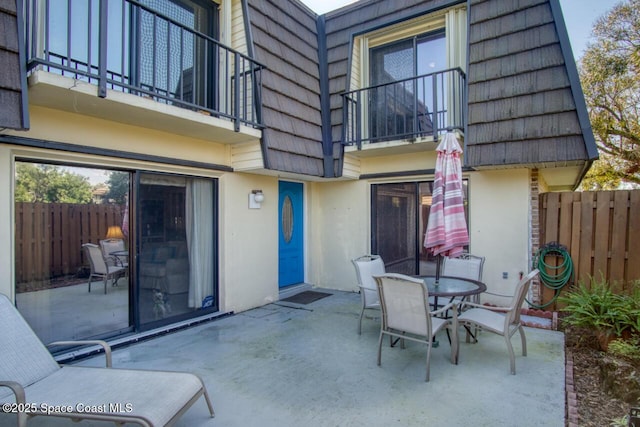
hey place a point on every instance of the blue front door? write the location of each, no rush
(290, 240)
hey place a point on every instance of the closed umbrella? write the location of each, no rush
(447, 227)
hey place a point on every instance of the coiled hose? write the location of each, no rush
(553, 277)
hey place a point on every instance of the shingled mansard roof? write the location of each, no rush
(525, 104)
(525, 101)
(12, 75)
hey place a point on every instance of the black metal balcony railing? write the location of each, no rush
(126, 46)
(421, 106)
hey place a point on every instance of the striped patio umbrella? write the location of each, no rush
(447, 227)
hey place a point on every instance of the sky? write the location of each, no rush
(579, 16)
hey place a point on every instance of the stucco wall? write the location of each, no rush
(60, 126)
(340, 232)
(248, 243)
(499, 225)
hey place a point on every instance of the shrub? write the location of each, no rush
(598, 308)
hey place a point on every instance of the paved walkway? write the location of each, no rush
(305, 365)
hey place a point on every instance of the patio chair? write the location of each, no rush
(110, 249)
(100, 268)
(30, 378)
(406, 314)
(466, 266)
(366, 267)
(504, 321)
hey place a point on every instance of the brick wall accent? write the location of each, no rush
(536, 292)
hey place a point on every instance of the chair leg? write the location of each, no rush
(512, 356)
(360, 322)
(380, 348)
(90, 276)
(209, 405)
(428, 358)
(524, 340)
(106, 279)
(455, 345)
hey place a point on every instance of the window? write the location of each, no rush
(402, 101)
(399, 216)
(407, 79)
(161, 46)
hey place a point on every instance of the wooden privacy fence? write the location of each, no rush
(49, 237)
(601, 231)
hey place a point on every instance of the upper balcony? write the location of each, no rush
(159, 67)
(403, 115)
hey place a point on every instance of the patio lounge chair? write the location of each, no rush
(366, 267)
(406, 314)
(30, 378)
(504, 321)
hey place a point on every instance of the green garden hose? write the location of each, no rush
(553, 276)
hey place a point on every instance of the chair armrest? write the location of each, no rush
(106, 347)
(486, 307)
(445, 308)
(18, 392)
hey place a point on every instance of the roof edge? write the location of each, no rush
(574, 80)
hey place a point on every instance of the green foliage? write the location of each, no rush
(603, 175)
(598, 308)
(620, 422)
(50, 184)
(118, 187)
(626, 349)
(610, 77)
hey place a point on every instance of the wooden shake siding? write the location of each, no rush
(521, 106)
(285, 40)
(10, 76)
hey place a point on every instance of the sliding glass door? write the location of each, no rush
(399, 217)
(176, 241)
(102, 252)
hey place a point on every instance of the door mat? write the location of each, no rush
(306, 297)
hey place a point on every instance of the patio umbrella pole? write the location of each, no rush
(438, 259)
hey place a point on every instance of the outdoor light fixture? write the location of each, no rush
(256, 197)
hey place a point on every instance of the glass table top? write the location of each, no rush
(453, 286)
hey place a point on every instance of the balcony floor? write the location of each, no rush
(292, 365)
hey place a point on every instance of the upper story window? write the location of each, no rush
(165, 50)
(407, 80)
(402, 85)
(165, 57)
(151, 44)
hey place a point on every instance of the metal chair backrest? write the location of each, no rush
(368, 266)
(23, 357)
(94, 254)
(405, 304)
(466, 266)
(522, 288)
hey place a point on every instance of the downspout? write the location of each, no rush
(22, 58)
(325, 104)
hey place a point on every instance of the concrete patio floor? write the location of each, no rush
(305, 365)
